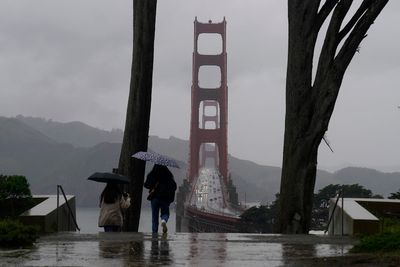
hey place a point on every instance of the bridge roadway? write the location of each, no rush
(208, 194)
(207, 208)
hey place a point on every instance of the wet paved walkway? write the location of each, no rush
(181, 249)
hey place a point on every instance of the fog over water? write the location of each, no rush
(70, 61)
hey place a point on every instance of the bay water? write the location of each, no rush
(87, 218)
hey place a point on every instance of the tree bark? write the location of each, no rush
(139, 105)
(310, 103)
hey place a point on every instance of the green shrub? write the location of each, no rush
(14, 186)
(257, 220)
(15, 196)
(386, 242)
(256, 214)
(390, 225)
(15, 234)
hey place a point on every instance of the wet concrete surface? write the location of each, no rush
(181, 249)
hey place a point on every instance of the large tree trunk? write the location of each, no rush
(309, 104)
(139, 105)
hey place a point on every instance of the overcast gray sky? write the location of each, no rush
(70, 60)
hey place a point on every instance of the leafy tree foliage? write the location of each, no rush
(260, 219)
(355, 190)
(15, 195)
(257, 220)
(14, 186)
(259, 215)
(395, 195)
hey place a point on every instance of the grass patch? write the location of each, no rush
(385, 243)
(380, 243)
(14, 234)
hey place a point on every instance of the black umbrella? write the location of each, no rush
(107, 177)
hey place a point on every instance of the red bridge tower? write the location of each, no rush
(210, 141)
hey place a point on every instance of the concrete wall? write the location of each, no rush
(361, 215)
(335, 227)
(366, 227)
(45, 214)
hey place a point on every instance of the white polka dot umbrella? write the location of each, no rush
(156, 158)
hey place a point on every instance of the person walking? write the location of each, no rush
(162, 187)
(112, 204)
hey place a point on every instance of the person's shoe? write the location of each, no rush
(164, 226)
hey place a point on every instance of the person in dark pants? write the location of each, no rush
(162, 187)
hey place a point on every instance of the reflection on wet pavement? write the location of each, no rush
(186, 249)
(215, 253)
(160, 252)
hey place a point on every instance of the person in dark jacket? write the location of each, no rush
(162, 187)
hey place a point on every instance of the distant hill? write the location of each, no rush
(42, 150)
(75, 133)
(79, 134)
(378, 182)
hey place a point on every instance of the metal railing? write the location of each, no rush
(199, 225)
(212, 211)
(339, 195)
(59, 187)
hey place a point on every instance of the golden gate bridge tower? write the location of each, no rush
(209, 98)
(207, 201)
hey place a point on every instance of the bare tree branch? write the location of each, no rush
(324, 13)
(331, 41)
(360, 11)
(325, 90)
(358, 33)
(328, 90)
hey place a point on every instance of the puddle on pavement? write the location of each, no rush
(182, 249)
